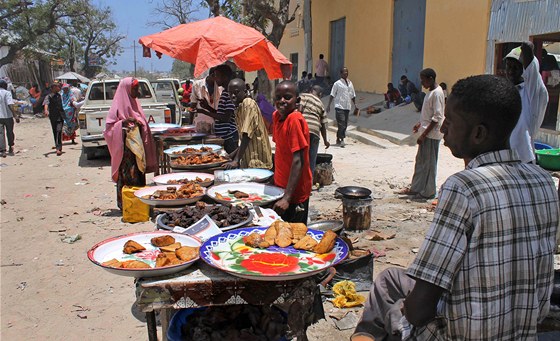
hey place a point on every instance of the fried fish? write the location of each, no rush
(284, 236)
(256, 240)
(187, 253)
(306, 243)
(164, 240)
(114, 263)
(170, 248)
(135, 264)
(327, 242)
(299, 230)
(132, 247)
(271, 232)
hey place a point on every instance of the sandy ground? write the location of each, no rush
(51, 291)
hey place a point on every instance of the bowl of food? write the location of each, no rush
(183, 178)
(195, 161)
(146, 254)
(171, 195)
(549, 158)
(226, 217)
(245, 193)
(198, 149)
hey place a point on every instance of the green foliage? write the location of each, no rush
(182, 70)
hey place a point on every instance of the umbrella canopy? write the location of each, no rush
(213, 41)
(73, 76)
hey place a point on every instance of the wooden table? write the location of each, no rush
(201, 285)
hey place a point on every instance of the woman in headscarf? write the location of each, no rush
(129, 139)
(70, 119)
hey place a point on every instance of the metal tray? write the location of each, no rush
(163, 226)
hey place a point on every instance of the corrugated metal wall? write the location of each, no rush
(517, 20)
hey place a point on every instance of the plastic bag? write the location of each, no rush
(358, 270)
(134, 210)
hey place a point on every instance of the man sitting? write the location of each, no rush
(485, 269)
(392, 96)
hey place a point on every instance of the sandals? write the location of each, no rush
(406, 191)
(58, 152)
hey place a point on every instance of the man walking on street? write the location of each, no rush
(425, 169)
(314, 114)
(522, 69)
(321, 68)
(6, 119)
(55, 112)
(344, 95)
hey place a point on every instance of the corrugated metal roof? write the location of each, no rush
(517, 20)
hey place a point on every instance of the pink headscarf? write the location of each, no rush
(123, 107)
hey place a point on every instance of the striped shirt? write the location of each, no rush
(225, 130)
(491, 246)
(313, 111)
(250, 121)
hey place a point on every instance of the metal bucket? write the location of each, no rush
(356, 213)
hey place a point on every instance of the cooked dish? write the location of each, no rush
(223, 216)
(198, 159)
(198, 180)
(186, 191)
(190, 150)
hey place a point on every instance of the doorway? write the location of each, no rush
(409, 18)
(338, 45)
(294, 59)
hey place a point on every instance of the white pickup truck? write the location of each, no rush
(99, 98)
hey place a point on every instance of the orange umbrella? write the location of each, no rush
(213, 41)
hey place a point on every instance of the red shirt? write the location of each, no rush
(291, 135)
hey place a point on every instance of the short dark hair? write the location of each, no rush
(443, 85)
(491, 99)
(428, 73)
(289, 82)
(342, 69)
(225, 70)
(403, 77)
(321, 56)
(304, 73)
(318, 89)
(3, 85)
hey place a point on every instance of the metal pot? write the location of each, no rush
(324, 225)
(353, 192)
(324, 158)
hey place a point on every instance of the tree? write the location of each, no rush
(173, 12)
(92, 34)
(182, 70)
(26, 22)
(231, 9)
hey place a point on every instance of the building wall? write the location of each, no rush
(456, 37)
(368, 39)
(293, 40)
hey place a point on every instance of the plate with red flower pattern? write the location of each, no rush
(227, 252)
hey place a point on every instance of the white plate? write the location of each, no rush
(164, 178)
(172, 152)
(156, 202)
(267, 193)
(161, 127)
(247, 175)
(113, 248)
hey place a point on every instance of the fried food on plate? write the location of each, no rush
(271, 232)
(238, 194)
(256, 240)
(170, 248)
(114, 263)
(132, 247)
(306, 243)
(327, 242)
(173, 260)
(162, 240)
(187, 253)
(299, 230)
(284, 236)
(162, 260)
(135, 264)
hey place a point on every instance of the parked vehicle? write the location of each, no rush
(166, 91)
(99, 98)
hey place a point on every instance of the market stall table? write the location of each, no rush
(202, 286)
(163, 141)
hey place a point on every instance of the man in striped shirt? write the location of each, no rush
(485, 270)
(314, 113)
(224, 126)
(255, 150)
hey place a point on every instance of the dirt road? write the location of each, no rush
(51, 291)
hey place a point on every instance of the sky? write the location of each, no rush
(131, 17)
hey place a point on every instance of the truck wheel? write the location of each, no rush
(90, 153)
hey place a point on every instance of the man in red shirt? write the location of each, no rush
(292, 171)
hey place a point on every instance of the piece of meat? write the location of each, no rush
(162, 260)
(327, 242)
(239, 194)
(299, 230)
(162, 240)
(132, 247)
(113, 263)
(173, 260)
(170, 248)
(135, 264)
(284, 236)
(306, 243)
(186, 253)
(271, 232)
(255, 240)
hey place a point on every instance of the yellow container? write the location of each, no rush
(134, 210)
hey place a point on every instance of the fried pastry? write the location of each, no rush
(132, 247)
(306, 243)
(299, 230)
(162, 260)
(256, 240)
(162, 240)
(114, 263)
(187, 253)
(135, 264)
(170, 248)
(172, 257)
(271, 232)
(284, 236)
(327, 242)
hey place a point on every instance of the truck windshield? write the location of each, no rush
(96, 92)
